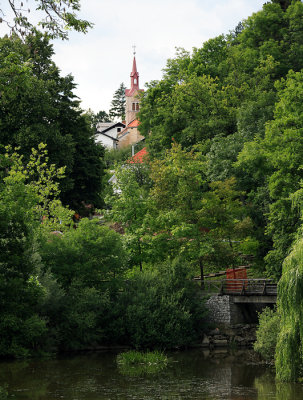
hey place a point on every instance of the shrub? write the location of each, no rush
(163, 308)
(267, 333)
(3, 393)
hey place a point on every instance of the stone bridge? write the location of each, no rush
(237, 301)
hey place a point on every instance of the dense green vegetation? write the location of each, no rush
(230, 101)
(267, 332)
(135, 363)
(221, 187)
(235, 105)
(38, 105)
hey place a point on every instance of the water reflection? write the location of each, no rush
(189, 375)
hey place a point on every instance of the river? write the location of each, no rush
(192, 374)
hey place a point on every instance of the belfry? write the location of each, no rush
(131, 135)
(124, 133)
(132, 98)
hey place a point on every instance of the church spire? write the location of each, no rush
(132, 95)
(134, 74)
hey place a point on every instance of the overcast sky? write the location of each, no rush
(102, 59)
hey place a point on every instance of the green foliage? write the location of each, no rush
(83, 273)
(27, 196)
(267, 333)
(117, 107)
(54, 18)
(135, 363)
(129, 207)
(91, 255)
(3, 393)
(224, 99)
(95, 119)
(38, 105)
(137, 357)
(201, 221)
(113, 156)
(290, 338)
(79, 324)
(274, 163)
(163, 307)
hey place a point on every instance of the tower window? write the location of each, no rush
(118, 129)
(137, 106)
(135, 81)
(134, 106)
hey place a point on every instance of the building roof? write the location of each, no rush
(133, 124)
(103, 127)
(134, 70)
(105, 134)
(139, 157)
(130, 92)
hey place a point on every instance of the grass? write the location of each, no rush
(137, 363)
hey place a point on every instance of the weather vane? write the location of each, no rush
(134, 47)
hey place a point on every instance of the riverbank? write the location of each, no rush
(239, 335)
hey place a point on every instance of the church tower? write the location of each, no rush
(131, 135)
(132, 105)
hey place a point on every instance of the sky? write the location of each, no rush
(102, 59)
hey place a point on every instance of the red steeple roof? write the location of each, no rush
(134, 71)
(134, 80)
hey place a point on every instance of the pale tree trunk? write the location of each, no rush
(202, 273)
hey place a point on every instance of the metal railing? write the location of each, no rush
(245, 287)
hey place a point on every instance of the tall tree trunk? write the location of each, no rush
(202, 273)
(140, 252)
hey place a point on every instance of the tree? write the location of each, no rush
(90, 256)
(94, 119)
(117, 108)
(220, 99)
(162, 307)
(29, 207)
(59, 17)
(275, 162)
(129, 208)
(204, 223)
(37, 104)
(101, 116)
(288, 359)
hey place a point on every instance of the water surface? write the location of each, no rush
(192, 374)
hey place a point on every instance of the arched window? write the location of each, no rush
(134, 106)
(137, 106)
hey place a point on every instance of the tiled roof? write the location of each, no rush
(139, 157)
(133, 124)
(130, 92)
(134, 71)
(104, 125)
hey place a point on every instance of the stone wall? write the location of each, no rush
(131, 114)
(222, 310)
(219, 309)
(228, 310)
(130, 137)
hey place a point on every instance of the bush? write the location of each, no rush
(267, 333)
(163, 308)
(3, 393)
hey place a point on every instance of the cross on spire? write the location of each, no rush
(134, 47)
